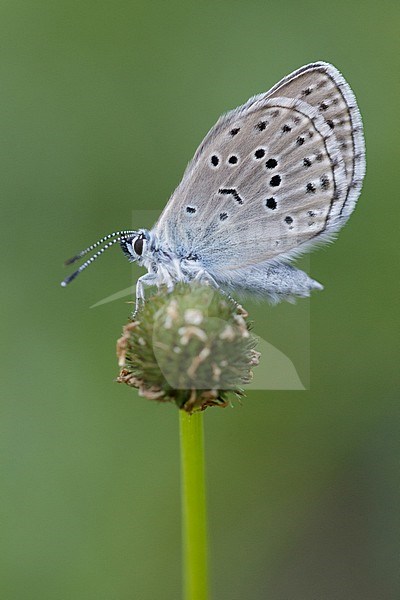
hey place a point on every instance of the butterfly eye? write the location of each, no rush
(138, 246)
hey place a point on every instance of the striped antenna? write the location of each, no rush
(87, 263)
(70, 261)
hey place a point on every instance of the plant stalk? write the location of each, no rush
(194, 520)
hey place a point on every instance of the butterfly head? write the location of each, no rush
(133, 243)
(134, 247)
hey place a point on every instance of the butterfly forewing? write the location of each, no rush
(322, 86)
(270, 178)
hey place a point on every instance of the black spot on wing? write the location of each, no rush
(325, 183)
(271, 163)
(232, 192)
(270, 203)
(275, 181)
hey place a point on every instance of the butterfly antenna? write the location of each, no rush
(78, 256)
(87, 263)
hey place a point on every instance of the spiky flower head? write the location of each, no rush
(191, 346)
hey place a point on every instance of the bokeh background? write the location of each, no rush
(102, 105)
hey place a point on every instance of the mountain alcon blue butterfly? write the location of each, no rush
(270, 180)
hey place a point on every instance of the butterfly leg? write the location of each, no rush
(203, 275)
(146, 280)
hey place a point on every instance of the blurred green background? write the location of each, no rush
(102, 105)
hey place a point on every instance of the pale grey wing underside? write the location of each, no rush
(335, 100)
(272, 177)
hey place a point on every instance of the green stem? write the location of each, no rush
(193, 506)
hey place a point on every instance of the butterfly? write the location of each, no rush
(273, 178)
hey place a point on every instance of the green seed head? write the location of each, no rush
(191, 346)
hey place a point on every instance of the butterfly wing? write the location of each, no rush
(322, 86)
(271, 178)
